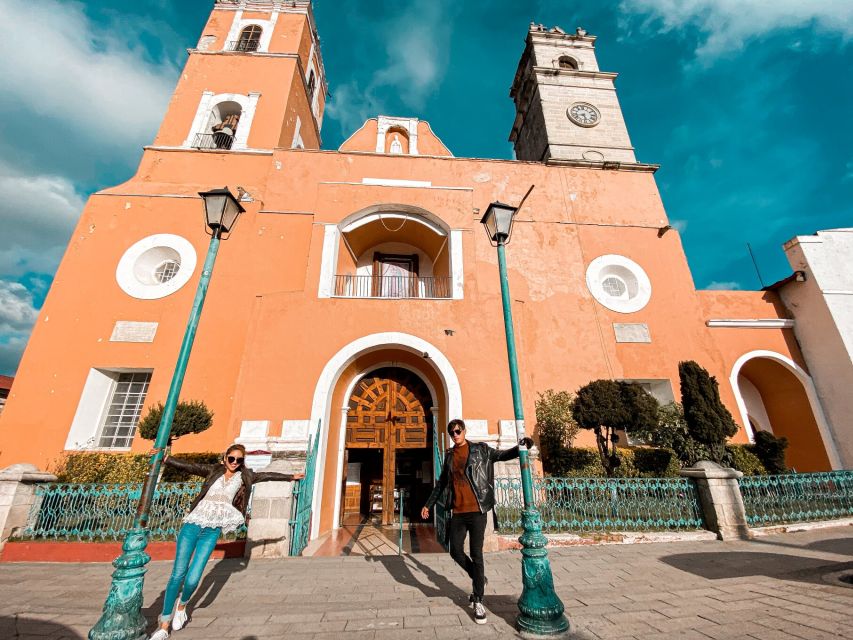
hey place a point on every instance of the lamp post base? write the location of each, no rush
(541, 609)
(122, 618)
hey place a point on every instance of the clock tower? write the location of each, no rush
(566, 109)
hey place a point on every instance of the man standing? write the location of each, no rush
(467, 484)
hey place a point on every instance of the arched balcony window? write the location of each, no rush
(392, 254)
(221, 127)
(250, 39)
(567, 62)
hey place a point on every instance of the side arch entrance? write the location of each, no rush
(775, 394)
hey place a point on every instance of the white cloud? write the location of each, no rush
(16, 307)
(59, 65)
(417, 54)
(726, 25)
(679, 225)
(37, 218)
(731, 285)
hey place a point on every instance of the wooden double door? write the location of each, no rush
(389, 410)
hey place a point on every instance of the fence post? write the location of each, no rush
(268, 535)
(721, 500)
(17, 496)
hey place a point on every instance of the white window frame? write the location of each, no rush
(248, 104)
(88, 422)
(239, 24)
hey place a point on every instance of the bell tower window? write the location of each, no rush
(221, 127)
(567, 62)
(250, 39)
(312, 83)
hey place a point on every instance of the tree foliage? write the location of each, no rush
(608, 406)
(671, 433)
(191, 416)
(555, 425)
(708, 420)
(771, 451)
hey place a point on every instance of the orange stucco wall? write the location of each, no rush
(266, 335)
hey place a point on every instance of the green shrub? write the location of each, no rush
(555, 425)
(741, 458)
(585, 462)
(656, 463)
(191, 416)
(115, 468)
(708, 420)
(771, 451)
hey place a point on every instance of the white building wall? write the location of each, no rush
(823, 308)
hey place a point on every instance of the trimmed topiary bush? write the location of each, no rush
(708, 420)
(656, 463)
(191, 416)
(771, 451)
(741, 458)
(117, 468)
(607, 406)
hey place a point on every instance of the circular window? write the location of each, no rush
(618, 283)
(156, 266)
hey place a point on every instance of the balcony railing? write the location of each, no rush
(244, 45)
(350, 286)
(213, 141)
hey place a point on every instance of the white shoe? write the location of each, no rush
(479, 613)
(160, 634)
(179, 619)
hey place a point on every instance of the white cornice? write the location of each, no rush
(751, 323)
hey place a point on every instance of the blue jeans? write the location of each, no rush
(195, 545)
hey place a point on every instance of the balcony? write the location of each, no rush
(399, 287)
(247, 46)
(218, 140)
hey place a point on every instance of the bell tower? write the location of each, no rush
(254, 82)
(566, 108)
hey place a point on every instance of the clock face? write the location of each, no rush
(584, 114)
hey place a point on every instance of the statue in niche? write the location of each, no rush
(396, 145)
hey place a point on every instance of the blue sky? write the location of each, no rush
(746, 104)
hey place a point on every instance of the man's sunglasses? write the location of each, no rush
(234, 460)
(457, 431)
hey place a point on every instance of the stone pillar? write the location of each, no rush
(268, 535)
(721, 500)
(17, 496)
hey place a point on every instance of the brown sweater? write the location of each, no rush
(464, 500)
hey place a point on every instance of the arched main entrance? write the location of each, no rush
(775, 394)
(388, 447)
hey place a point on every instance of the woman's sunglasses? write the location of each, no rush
(456, 432)
(234, 460)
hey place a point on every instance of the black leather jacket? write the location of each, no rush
(212, 471)
(480, 471)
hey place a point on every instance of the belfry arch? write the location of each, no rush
(334, 391)
(775, 394)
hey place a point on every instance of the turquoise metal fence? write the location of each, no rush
(570, 505)
(797, 497)
(303, 492)
(78, 511)
(440, 510)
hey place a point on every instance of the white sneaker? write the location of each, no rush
(160, 634)
(479, 613)
(179, 619)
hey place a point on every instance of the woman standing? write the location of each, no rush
(219, 508)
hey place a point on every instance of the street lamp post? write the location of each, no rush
(541, 611)
(122, 617)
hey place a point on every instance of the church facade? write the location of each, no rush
(357, 301)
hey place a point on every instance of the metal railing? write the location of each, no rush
(244, 45)
(797, 497)
(219, 140)
(351, 286)
(82, 511)
(569, 505)
(302, 505)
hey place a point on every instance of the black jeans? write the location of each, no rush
(473, 524)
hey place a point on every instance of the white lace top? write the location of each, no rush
(215, 509)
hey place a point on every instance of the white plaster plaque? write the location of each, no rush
(127, 331)
(295, 430)
(254, 429)
(628, 332)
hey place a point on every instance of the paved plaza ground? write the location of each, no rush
(769, 588)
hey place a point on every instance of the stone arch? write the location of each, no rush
(328, 419)
(774, 392)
